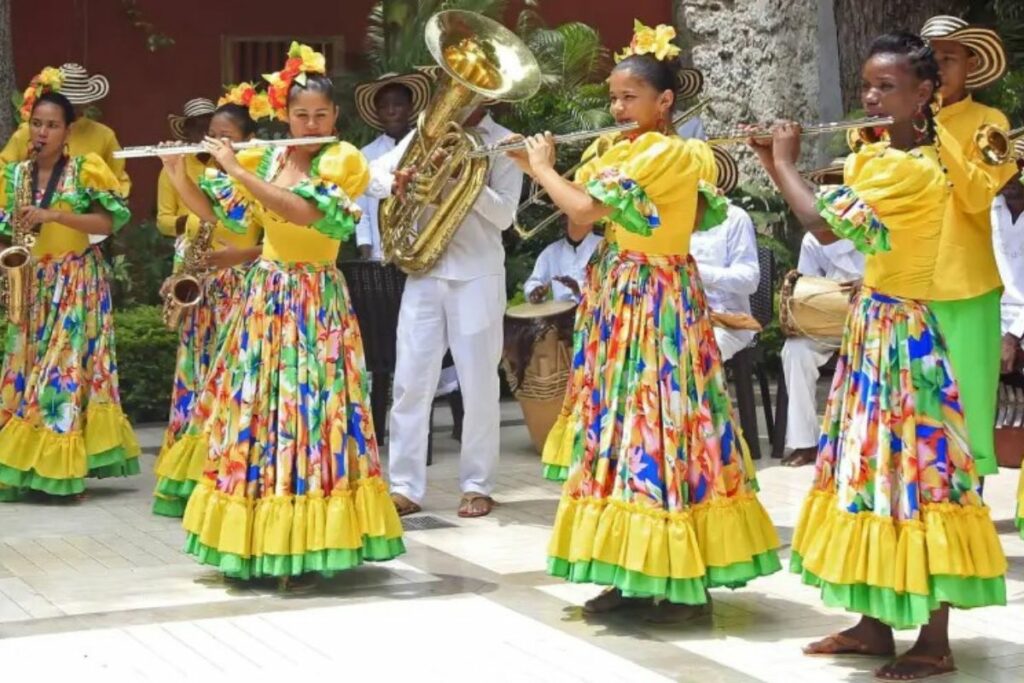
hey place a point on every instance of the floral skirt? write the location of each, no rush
(895, 524)
(660, 497)
(291, 480)
(196, 349)
(60, 410)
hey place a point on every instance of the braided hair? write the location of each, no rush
(922, 63)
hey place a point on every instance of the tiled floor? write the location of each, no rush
(100, 591)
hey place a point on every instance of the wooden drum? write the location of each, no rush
(814, 307)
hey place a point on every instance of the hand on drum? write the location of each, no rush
(570, 284)
(539, 294)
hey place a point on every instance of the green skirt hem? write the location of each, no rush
(556, 473)
(169, 507)
(111, 463)
(634, 584)
(906, 610)
(323, 562)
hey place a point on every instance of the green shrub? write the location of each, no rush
(146, 356)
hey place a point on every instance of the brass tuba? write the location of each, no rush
(482, 60)
(184, 290)
(16, 260)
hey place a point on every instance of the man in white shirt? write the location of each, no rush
(726, 257)
(801, 357)
(1008, 240)
(561, 269)
(389, 104)
(458, 304)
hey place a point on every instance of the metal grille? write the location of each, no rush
(425, 523)
(247, 58)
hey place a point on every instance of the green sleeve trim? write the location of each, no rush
(851, 218)
(631, 207)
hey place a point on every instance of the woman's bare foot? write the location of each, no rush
(612, 600)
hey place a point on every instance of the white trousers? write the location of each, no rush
(731, 342)
(466, 317)
(801, 359)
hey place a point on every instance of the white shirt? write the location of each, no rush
(838, 261)
(476, 249)
(558, 259)
(726, 257)
(1008, 242)
(368, 229)
(692, 129)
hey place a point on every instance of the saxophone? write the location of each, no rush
(16, 260)
(482, 60)
(184, 289)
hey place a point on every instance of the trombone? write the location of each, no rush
(998, 146)
(610, 133)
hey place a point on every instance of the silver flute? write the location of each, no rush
(200, 148)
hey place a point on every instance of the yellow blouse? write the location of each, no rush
(338, 173)
(653, 184)
(86, 137)
(891, 206)
(169, 207)
(87, 182)
(967, 265)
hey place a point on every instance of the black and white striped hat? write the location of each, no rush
(199, 106)
(81, 88)
(983, 42)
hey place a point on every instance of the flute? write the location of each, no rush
(143, 151)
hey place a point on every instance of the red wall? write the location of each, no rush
(146, 86)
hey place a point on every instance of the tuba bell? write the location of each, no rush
(482, 60)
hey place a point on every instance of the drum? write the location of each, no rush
(537, 359)
(814, 307)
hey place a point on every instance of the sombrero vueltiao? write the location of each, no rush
(81, 88)
(983, 42)
(417, 83)
(199, 106)
(691, 82)
(827, 175)
(728, 170)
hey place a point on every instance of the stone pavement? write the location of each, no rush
(100, 591)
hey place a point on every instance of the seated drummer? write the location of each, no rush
(1008, 241)
(561, 269)
(726, 257)
(802, 357)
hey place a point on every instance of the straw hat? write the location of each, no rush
(827, 175)
(81, 88)
(417, 83)
(691, 82)
(983, 42)
(728, 170)
(199, 106)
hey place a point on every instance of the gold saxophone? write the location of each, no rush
(184, 289)
(482, 60)
(16, 260)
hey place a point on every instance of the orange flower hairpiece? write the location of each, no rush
(655, 41)
(302, 60)
(47, 80)
(246, 95)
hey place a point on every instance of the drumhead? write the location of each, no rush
(541, 310)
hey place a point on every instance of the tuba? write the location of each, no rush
(184, 290)
(16, 260)
(482, 60)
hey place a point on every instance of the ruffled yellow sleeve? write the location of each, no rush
(231, 201)
(339, 173)
(634, 178)
(96, 185)
(885, 189)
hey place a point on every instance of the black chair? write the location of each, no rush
(749, 362)
(778, 439)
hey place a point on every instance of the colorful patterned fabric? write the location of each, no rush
(895, 524)
(291, 476)
(60, 409)
(197, 348)
(660, 499)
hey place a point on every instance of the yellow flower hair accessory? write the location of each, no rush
(655, 41)
(302, 60)
(246, 95)
(47, 80)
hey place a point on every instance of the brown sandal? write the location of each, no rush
(404, 506)
(611, 600)
(475, 505)
(916, 668)
(837, 645)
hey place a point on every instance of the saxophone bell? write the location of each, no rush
(184, 290)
